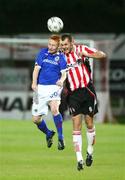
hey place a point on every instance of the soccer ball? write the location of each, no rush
(55, 24)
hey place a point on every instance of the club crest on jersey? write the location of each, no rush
(57, 58)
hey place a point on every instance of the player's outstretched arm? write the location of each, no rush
(94, 53)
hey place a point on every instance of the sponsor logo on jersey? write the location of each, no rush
(50, 61)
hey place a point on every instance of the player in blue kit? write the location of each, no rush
(47, 82)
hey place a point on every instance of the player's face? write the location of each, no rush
(66, 45)
(53, 46)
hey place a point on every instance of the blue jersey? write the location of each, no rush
(51, 66)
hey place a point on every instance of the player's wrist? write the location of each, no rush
(60, 83)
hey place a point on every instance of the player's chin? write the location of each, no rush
(52, 51)
(66, 50)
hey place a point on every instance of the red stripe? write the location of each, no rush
(91, 130)
(77, 69)
(68, 59)
(77, 72)
(76, 133)
(80, 48)
(72, 77)
(74, 59)
(76, 49)
(89, 50)
(78, 76)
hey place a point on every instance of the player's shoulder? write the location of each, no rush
(43, 50)
(60, 53)
(79, 45)
(41, 53)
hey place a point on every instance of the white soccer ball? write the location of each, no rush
(55, 24)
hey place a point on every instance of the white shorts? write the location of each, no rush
(45, 94)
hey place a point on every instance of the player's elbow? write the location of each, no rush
(103, 55)
(99, 55)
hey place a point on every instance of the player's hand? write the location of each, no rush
(59, 83)
(34, 87)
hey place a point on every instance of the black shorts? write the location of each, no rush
(83, 101)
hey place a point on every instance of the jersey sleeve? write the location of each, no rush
(88, 49)
(39, 57)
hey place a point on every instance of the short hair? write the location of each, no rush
(55, 38)
(66, 36)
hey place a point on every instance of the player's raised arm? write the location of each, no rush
(93, 53)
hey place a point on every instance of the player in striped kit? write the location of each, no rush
(81, 96)
(48, 76)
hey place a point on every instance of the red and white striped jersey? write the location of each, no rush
(78, 74)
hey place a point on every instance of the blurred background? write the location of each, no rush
(23, 31)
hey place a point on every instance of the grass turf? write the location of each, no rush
(25, 156)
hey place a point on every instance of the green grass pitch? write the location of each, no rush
(25, 156)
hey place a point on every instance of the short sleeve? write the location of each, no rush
(39, 57)
(87, 49)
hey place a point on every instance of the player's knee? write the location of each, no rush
(36, 119)
(90, 125)
(89, 122)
